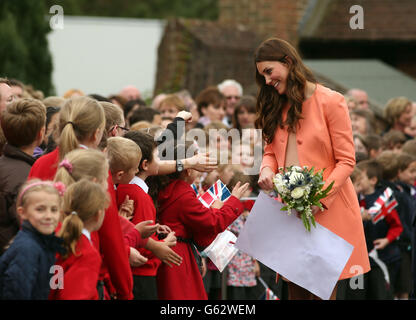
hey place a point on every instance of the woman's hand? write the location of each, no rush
(266, 179)
(201, 162)
(315, 210)
(239, 190)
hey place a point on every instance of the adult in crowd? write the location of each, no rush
(232, 91)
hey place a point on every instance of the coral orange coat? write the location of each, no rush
(324, 140)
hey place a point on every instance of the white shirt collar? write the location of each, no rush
(86, 233)
(83, 146)
(140, 182)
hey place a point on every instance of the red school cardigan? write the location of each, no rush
(144, 209)
(111, 242)
(184, 214)
(81, 273)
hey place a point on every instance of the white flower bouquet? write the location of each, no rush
(300, 189)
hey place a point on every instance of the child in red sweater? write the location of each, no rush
(84, 205)
(194, 224)
(144, 277)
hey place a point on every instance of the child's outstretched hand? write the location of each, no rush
(161, 250)
(217, 204)
(239, 190)
(136, 259)
(146, 228)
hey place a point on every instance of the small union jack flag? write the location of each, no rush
(195, 189)
(218, 191)
(383, 205)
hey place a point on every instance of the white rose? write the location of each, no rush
(297, 193)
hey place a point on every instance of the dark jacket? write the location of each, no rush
(390, 227)
(25, 266)
(14, 170)
(407, 212)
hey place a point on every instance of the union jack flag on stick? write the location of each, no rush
(383, 205)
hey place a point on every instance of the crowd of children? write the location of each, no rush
(385, 182)
(99, 198)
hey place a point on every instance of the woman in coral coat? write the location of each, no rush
(307, 124)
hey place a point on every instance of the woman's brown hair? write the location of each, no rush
(270, 104)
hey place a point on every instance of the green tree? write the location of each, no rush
(24, 52)
(154, 9)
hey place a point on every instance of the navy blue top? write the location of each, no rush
(25, 266)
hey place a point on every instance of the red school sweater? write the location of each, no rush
(81, 273)
(144, 209)
(111, 243)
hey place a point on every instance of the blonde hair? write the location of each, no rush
(388, 160)
(34, 185)
(82, 201)
(113, 116)
(90, 164)
(140, 125)
(22, 121)
(79, 119)
(173, 100)
(53, 101)
(123, 154)
(394, 108)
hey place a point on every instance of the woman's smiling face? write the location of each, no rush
(275, 74)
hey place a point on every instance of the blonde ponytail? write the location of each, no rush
(82, 201)
(79, 119)
(71, 232)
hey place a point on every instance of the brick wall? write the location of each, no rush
(270, 18)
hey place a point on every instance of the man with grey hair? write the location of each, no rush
(360, 96)
(232, 92)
